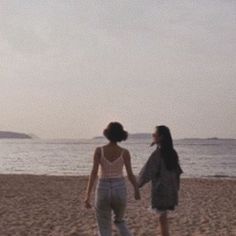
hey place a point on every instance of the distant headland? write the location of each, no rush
(133, 136)
(149, 135)
(14, 135)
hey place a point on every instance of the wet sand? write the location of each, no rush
(53, 206)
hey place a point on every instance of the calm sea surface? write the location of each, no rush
(199, 158)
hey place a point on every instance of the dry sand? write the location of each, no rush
(53, 206)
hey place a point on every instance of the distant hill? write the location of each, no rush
(149, 136)
(134, 136)
(33, 136)
(13, 135)
(140, 136)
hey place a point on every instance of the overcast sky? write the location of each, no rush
(67, 68)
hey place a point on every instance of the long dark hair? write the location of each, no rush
(168, 152)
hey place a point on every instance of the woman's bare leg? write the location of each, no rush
(164, 224)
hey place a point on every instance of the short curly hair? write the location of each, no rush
(115, 132)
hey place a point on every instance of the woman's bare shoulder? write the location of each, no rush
(125, 151)
(98, 151)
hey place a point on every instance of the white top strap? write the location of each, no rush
(102, 152)
(122, 153)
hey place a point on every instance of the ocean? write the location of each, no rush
(198, 157)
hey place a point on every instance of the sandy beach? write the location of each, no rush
(53, 206)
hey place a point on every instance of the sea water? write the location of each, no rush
(198, 157)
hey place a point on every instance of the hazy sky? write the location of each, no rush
(67, 68)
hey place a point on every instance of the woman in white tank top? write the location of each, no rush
(109, 162)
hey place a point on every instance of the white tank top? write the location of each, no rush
(111, 169)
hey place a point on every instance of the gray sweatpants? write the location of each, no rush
(111, 196)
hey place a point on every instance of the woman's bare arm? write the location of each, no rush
(92, 177)
(131, 177)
